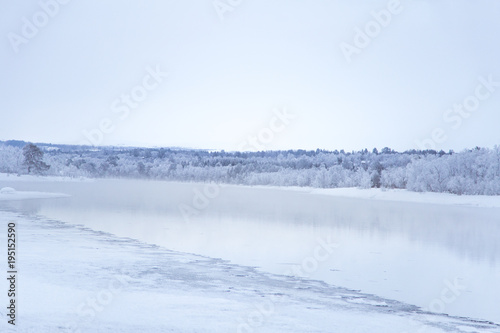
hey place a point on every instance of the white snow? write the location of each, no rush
(350, 192)
(396, 195)
(7, 190)
(33, 178)
(409, 196)
(73, 279)
(8, 193)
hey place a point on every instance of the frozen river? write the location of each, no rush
(440, 257)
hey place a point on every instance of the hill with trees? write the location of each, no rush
(473, 171)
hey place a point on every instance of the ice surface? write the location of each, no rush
(73, 279)
(8, 193)
(65, 268)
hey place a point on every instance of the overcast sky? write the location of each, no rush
(252, 74)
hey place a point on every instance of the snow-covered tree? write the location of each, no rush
(33, 159)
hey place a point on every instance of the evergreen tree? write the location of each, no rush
(33, 159)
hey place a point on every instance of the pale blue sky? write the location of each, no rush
(225, 77)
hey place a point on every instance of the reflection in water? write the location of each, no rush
(398, 250)
(26, 207)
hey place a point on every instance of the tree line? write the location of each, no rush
(472, 171)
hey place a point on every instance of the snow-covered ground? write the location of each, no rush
(350, 192)
(397, 195)
(409, 196)
(9, 193)
(73, 279)
(33, 178)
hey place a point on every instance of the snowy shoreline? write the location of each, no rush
(8, 193)
(112, 283)
(397, 195)
(10, 177)
(78, 266)
(413, 197)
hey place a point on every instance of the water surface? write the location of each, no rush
(444, 258)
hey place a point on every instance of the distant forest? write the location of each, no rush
(473, 171)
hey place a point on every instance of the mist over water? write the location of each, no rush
(403, 251)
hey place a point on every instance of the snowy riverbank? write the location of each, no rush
(409, 196)
(8, 193)
(9, 177)
(74, 279)
(394, 195)
(350, 192)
